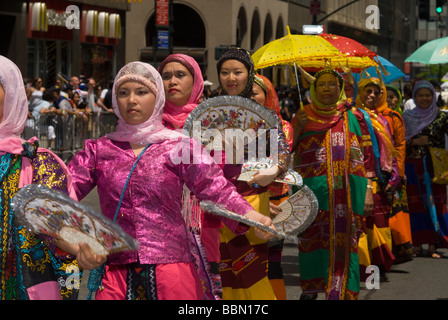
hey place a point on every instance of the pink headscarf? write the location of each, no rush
(174, 114)
(15, 105)
(152, 130)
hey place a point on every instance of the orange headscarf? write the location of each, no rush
(271, 95)
(273, 104)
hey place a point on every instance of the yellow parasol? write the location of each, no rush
(311, 52)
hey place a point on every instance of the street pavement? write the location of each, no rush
(423, 278)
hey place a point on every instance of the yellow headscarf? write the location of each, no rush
(321, 116)
(382, 104)
(378, 123)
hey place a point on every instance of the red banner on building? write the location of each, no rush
(407, 68)
(315, 7)
(162, 13)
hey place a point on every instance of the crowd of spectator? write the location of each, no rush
(58, 113)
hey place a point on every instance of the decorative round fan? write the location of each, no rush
(48, 212)
(225, 117)
(249, 168)
(210, 124)
(298, 212)
(213, 208)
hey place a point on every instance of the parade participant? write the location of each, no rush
(236, 74)
(350, 87)
(370, 100)
(183, 84)
(236, 77)
(399, 221)
(426, 127)
(28, 269)
(138, 158)
(394, 98)
(264, 93)
(335, 158)
(183, 91)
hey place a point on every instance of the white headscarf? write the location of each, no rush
(15, 105)
(152, 130)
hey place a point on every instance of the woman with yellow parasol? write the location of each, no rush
(334, 155)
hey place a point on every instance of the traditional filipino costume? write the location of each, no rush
(278, 192)
(334, 156)
(377, 233)
(206, 234)
(31, 267)
(151, 207)
(399, 221)
(244, 259)
(433, 123)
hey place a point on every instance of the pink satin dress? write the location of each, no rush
(151, 209)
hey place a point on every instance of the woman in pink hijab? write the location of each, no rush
(140, 185)
(184, 84)
(28, 270)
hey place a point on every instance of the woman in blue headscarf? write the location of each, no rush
(425, 127)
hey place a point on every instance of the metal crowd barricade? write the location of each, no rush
(65, 135)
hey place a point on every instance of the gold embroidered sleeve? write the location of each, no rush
(47, 171)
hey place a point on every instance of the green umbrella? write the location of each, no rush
(432, 52)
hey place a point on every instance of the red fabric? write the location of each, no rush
(175, 281)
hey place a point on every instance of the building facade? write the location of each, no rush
(47, 38)
(202, 28)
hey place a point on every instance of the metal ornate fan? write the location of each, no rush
(227, 117)
(291, 177)
(213, 208)
(45, 211)
(219, 117)
(208, 123)
(298, 212)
